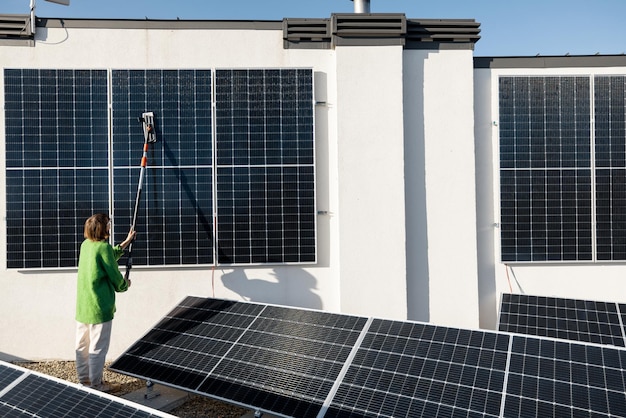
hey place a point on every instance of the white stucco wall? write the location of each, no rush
(588, 281)
(394, 188)
(440, 187)
(37, 307)
(370, 143)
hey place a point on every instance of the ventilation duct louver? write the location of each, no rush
(357, 29)
(306, 33)
(431, 33)
(15, 27)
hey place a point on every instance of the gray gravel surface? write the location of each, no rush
(195, 407)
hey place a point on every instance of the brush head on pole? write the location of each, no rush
(147, 120)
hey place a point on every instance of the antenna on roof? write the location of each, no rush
(361, 6)
(32, 11)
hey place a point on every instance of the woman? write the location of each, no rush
(99, 278)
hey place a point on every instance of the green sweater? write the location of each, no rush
(99, 278)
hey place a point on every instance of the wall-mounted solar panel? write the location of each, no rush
(176, 215)
(25, 393)
(234, 154)
(265, 166)
(570, 319)
(610, 167)
(301, 363)
(552, 184)
(56, 162)
(545, 168)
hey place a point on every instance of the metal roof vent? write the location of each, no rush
(361, 6)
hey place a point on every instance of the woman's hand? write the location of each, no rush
(129, 238)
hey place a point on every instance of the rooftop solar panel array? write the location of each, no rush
(24, 393)
(237, 351)
(570, 319)
(231, 179)
(302, 363)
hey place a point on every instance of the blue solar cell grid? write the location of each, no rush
(545, 175)
(28, 394)
(291, 357)
(175, 217)
(303, 363)
(265, 166)
(8, 375)
(570, 319)
(56, 162)
(610, 148)
(550, 378)
(404, 369)
(261, 163)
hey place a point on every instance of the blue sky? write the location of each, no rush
(508, 28)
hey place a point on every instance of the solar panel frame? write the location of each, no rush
(26, 393)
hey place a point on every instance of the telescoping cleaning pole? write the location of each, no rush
(147, 121)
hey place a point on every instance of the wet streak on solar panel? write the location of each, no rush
(24, 393)
(177, 188)
(570, 319)
(278, 359)
(294, 356)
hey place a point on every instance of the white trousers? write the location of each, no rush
(92, 345)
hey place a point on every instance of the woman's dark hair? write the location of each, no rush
(97, 227)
